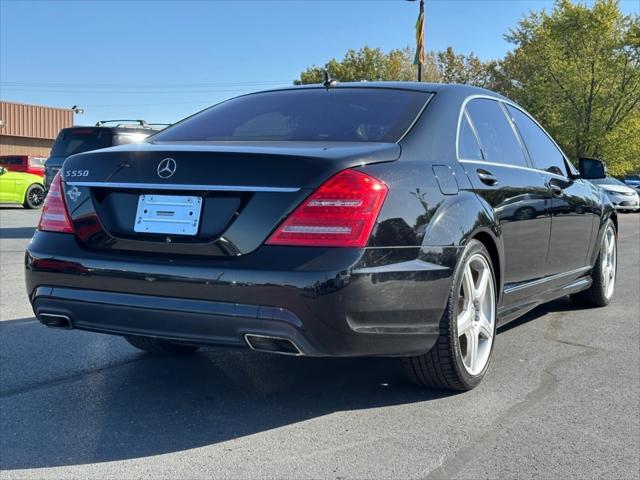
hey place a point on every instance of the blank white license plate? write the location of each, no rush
(168, 214)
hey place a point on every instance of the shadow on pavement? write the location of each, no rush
(563, 304)
(54, 413)
(71, 397)
(17, 232)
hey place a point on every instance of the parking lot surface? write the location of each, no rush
(561, 400)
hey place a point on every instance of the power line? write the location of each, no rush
(140, 85)
(118, 92)
(194, 102)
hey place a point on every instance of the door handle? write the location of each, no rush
(486, 177)
(555, 189)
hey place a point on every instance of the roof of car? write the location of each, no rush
(423, 86)
(119, 128)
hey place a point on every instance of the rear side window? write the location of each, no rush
(78, 140)
(342, 114)
(498, 140)
(544, 154)
(12, 160)
(468, 147)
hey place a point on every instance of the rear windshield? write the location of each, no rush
(78, 140)
(337, 115)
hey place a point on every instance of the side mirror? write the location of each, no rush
(591, 169)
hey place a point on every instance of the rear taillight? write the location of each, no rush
(340, 213)
(54, 217)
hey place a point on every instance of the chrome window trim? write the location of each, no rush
(463, 110)
(525, 153)
(473, 130)
(567, 163)
(514, 105)
(484, 162)
(546, 279)
(181, 186)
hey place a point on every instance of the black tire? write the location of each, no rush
(442, 366)
(160, 347)
(34, 197)
(595, 295)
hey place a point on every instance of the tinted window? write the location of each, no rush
(468, 147)
(78, 140)
(498, 140)
(544, 154)
(12, 160)
(337, 115)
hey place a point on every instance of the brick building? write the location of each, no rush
(30, 129)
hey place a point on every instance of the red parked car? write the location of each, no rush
(23, 163)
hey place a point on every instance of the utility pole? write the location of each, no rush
(421, 44)
(419, 57)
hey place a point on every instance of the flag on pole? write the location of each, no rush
(419, 57)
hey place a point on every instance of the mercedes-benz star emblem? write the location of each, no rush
(167, 168)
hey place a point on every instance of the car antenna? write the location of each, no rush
(328, 81)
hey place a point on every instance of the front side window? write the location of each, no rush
(498, 140)
(468, 147)
(341, 114)
(543, 152)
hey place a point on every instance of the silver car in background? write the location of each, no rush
(623, 197)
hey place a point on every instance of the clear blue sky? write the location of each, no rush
(162, 60)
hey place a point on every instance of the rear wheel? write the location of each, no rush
(603, 276)
(461, 356)
(161, 347)
(34, 197)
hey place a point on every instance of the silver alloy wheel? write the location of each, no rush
(609, 261)
(476, 314)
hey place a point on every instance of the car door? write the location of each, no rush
(496, 164)
(574, 204)
(7, 186)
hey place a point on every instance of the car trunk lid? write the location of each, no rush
(245, 190)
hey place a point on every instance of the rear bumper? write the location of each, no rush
(328, 302)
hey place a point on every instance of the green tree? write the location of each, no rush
(622, 145)
(577, 70)
(465, 69)
(372, 64)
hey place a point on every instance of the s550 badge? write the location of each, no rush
(76, 173)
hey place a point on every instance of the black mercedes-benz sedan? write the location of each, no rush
(368, 219)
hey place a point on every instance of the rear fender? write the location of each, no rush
(462, 219)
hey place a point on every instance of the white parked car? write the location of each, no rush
(623, 197)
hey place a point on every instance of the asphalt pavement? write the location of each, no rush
(561, 400)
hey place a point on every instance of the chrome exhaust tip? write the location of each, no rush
(55, 320)
(270, 344)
